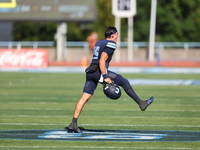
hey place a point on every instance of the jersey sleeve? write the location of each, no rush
(110, 47)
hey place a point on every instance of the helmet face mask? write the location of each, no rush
(112, 91)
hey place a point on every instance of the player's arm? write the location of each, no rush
(102, 63)
(102, 66)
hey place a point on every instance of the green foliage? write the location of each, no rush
(104, 17)
(142, 21)
(34, 31)
(177, 20)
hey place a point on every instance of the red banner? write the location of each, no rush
(24, 58)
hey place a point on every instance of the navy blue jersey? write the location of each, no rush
(92, 79)
(106, 46)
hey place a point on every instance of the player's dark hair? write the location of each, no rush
(109, 31)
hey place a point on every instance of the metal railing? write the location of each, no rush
(84, 44)
(19, 44)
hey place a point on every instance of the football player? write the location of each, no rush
(98, 72)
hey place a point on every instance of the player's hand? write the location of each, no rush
(108, 80)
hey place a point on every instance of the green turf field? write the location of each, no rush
(46, 101)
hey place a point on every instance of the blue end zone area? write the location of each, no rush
(102, 135)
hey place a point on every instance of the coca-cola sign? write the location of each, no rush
(24, 58)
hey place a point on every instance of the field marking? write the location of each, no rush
(106, 125)
(46, 116)
(102, 147)
(126, 110)
(114, 103)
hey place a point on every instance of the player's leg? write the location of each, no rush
(129, 90)
(77, 111)
(88, 90)
(125, 84)
(80, 104)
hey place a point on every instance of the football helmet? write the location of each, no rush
(112, 91)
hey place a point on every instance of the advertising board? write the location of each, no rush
(24, 58)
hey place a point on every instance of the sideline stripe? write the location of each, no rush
(101, 147)
(155, 70)
(115, 69)
(106, 125)
(163, 82)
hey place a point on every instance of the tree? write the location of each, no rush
(34, 31)
(177, 20)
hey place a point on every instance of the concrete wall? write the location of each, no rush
(76, 54)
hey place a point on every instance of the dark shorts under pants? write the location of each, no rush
(92, 80)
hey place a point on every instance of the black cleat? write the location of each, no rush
(146, 103)
(72, 128)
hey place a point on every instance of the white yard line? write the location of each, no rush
(120, 110)
(114, 103)
(105, 125)
(46, 116)
(100, 147)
